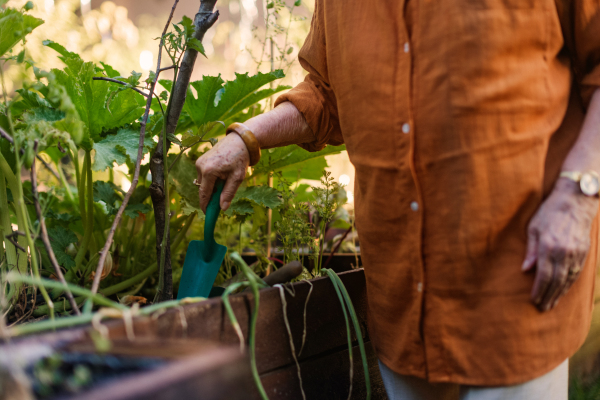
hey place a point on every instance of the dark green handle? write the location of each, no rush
(212, 214)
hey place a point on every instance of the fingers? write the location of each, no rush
(561, 276)
(543, 278)
(559, 265)
(559, 279)
(531, 254)
(232, 184)
(206, 189)
(571, 278)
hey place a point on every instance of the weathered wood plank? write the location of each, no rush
(326, 378)
(325, 324)
(211, 375)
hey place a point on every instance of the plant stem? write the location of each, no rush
(334, 282)
(138, 161)
(5, 228)
(63, 181)
(81, 176)
(44, 234)
(254, 285)
(334, 277)
(48, 283)
(89, 219)
(205, 18)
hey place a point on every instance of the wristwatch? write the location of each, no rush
(589, 182)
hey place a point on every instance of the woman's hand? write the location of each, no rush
(558, 242)
(228, 160)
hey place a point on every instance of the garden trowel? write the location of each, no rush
(203, 258)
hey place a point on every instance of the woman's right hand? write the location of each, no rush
(228, 160)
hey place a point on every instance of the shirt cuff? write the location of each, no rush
(318, 113)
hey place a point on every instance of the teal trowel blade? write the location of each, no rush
(199, 275)
(203, 258)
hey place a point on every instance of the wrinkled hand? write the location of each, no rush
(228, 160)
(558, 242)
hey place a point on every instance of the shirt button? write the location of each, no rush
(406, 47)
(406, 128)
(420, 287)
(414, 206)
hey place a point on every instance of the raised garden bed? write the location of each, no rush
(68, 366)
(324, 361)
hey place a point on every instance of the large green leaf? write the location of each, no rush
(309, 169)
(108, 193)
(14, 26)
(105, 192)
(90, 97)
(198, 106)
(214, 101)
(116, 148)
(247, 198)
(182, 176)
(290, 158)
(60, 239)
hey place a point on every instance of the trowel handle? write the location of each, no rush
(212, 212)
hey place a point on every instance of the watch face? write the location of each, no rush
(589, 183)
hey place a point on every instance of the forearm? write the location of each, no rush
(585, 154)
(282, 126)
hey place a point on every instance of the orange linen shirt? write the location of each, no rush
(457, 115)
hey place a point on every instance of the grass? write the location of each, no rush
(580, 391)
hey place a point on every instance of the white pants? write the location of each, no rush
(552, 386)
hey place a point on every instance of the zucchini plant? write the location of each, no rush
(90, 241)
(79, 224)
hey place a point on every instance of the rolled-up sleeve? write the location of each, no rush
(581, 28)
(315, 98)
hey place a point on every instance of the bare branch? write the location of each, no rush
(11, 239)
(204, 19)
(102, 78)
(138, 162)
(44, 234)
(6, 136)
(48, 167)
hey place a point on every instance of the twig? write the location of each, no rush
(167, 68)
(138, 162)
(204, 19)
(44, 234)
(335, 249)
(6, 136)
(48, 167)
(15, 243)
(102, 78)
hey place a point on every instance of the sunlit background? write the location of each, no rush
(122, 33)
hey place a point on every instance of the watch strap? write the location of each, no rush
(575, 176)
(249, 140)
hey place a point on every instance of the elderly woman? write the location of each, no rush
(474, 128)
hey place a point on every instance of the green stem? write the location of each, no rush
(48, 283)
(89, 223)
(67, 322)
(5, 228)
(22, 220)
(81, 176)
(343, 293)
(63, 181)
(46, 325)
(254, 285)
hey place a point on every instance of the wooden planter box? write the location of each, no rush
(324, 359)
(174, 369)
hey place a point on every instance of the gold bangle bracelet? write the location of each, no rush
(249, 140)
